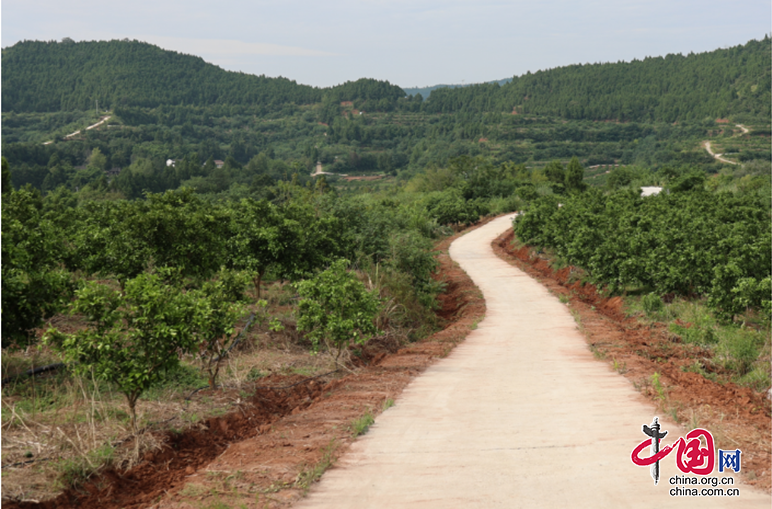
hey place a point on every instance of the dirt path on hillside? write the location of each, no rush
(719, 157)
(519, 415)
(92, 126)
(706, 145)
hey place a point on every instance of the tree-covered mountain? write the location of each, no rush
(66, 76)
(427, 91)
(676, 87)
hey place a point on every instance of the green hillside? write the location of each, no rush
(69, 76)
(676, 87)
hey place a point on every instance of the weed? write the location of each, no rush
(620, 368)
(564, 298)
(254, 374)
(673, 413)
(308, 476)
(74, 471)
(652, 304)
(182, 378)
(361, 425)
(699, 368)
(577, 317)
(599, 354)
(388, 404)
(694, 421)
(217, 504)
(738, 348)
(191, 417)
(193, 490)
(658, 388)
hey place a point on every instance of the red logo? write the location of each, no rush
(691, 455)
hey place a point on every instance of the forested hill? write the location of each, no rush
(715, 84)
(67, 76)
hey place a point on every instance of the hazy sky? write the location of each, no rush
(410, 43)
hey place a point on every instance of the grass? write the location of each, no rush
(361, 425)
(312, 474)
(659, 390)
(75, 470)
(739, 351)
(596, 352)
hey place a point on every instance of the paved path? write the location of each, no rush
(519, 415)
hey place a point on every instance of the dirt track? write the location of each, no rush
(718, 157)
(519, 415)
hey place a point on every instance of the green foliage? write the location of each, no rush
(686, 242)
(133, 337)
(256, 243)
(76, 470)
(34, 284)
(411, 254)
(739, 350)
(51, 76)
(336, 309)
(555, 172)
(675, 87)
(362, 425)
(450, 207)
(652, 304)
(174, 229)
(215, 320)
(574, 179)
(6, 186)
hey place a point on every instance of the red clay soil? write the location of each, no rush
(263, 454)
(737, 416)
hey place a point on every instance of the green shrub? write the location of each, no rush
(652, 304)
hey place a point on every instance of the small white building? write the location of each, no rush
(170, 162)
(650, 191)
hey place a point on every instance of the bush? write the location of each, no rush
(651, 304)
(336, 309)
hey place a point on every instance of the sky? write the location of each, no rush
(412, 43)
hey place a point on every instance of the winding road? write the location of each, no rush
(518, 415)
(102, 121)
(719, 157)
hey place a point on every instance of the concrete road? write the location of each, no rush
(519, 415)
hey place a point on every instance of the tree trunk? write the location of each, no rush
(258, 282)
(133, 413)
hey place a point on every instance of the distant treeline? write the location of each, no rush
(63, 76)
(66, 76)
(714, 84)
